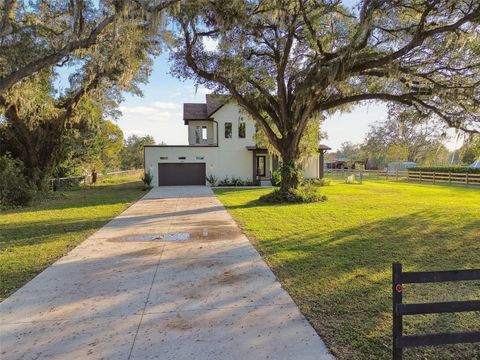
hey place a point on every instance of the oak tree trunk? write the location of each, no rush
(289, 170)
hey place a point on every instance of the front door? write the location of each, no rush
(261, 160)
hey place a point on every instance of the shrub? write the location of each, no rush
(233, 181)
(68, 183)
(224, 182)
(14, 190)
(305, 194)
(446, 169)
(212, 180)
(147, 178)
(318, 182)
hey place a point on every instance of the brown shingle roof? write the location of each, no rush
(194, 111)
(214, 102)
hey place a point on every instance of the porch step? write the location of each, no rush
(265, 183)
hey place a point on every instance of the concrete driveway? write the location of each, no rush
(172, 277)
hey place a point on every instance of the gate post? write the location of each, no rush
(397, 289)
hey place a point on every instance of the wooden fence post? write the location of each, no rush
(467, 178)
(397, 319)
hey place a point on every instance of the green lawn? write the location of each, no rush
(34, 237)
(334, 258)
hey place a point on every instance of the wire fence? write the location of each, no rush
(343, 174)
(87, 179)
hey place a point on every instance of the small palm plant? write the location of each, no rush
(212, 180)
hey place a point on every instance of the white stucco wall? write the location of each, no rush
(231, 113)
(311, 168)
(221, 163)
(229, 158)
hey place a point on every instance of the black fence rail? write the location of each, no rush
(399, 309)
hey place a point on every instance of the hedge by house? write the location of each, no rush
(446, 169)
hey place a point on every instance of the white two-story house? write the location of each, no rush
(221, 142)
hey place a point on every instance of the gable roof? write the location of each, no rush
(192, 111)
(215, 102)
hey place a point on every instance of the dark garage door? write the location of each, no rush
(181, 174)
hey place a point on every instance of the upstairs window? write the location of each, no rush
(228, 130)
(242, 129)
(201, 135)
(198, 135)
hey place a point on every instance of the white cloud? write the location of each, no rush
(163, 120)
(166, 105)
(203, 91)
(191, 94)
(156, 111)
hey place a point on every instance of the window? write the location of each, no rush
(228, 130)
(198, 134)
(200, 158)
(242, 129)
(204, 134)
(163, 157)
(182, 158)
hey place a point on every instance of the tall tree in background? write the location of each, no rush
(405, 139)
(289, 62)
(470, 151)
(98, 146)
(132, 155)
(352, 152)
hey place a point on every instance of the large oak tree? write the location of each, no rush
(39, 119)
(44, 33)
(288, 62)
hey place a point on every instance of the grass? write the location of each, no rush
(334, 258)
(32, 238)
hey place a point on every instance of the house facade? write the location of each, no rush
(221, 142)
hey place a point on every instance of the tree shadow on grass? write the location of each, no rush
(84, 197)
(342, 279)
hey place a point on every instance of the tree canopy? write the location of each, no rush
(288, 62)
(40, 120)
(132, 154)
(38, 34)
